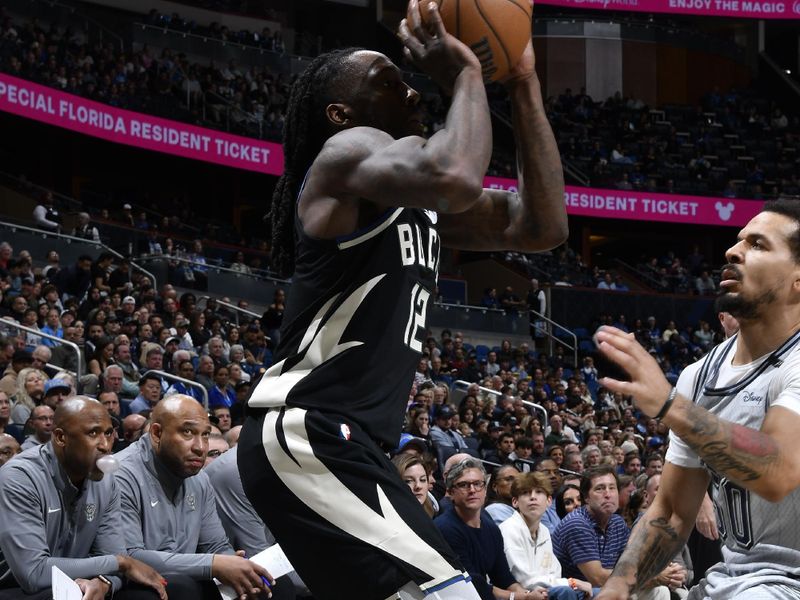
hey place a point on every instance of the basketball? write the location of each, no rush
(496, 30)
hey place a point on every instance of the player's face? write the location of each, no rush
(603, 499)
(383, 100)
(761, 268)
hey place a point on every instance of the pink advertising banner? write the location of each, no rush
(644, 206)
(47, 105)
(749, 9)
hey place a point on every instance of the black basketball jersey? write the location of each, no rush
(355, 322)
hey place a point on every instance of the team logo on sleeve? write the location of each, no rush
(344, 432)
(191, 502)
(90, 510)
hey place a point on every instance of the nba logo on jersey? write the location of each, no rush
(344, 432)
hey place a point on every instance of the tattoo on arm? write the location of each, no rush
(741, 453)
(652, 546)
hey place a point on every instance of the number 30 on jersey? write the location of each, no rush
(418, 310)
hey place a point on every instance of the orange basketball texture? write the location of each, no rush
(496, 30)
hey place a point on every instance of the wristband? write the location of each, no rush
(110, 585)
(667, 404)
(572, 583)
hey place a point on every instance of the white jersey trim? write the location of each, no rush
(372, 232)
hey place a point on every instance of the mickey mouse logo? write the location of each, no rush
(796, 7)
(724, 210)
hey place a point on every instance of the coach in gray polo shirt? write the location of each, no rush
(57, 509)
(169, 511)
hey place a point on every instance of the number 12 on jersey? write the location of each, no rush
(415, 328)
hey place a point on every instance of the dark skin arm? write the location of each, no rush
(763, 461)
(362, 170)
(535, 218)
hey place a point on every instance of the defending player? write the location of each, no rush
(359, 216)
(734, 417)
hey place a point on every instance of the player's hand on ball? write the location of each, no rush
(647, 384)
(431, 48)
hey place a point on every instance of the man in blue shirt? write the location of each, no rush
(590, 539)
(475, 538)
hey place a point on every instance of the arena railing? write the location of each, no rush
(460, 383)
(211, 266)
(553, 338)
(189, 382)
(14, 325)
(70, 239)
(228, 305)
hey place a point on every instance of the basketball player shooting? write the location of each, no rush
(358, 218)
(734, 418)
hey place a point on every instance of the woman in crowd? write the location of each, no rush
(419, 423)
(221, 394)
(568, 498)
(416, 473)
(103, 356)
(556, 453)
(499, 507)
(30, 393)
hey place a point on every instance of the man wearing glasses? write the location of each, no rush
(473, 535)
(41, 421)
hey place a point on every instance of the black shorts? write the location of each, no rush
(335, 503)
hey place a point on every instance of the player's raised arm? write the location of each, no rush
(534, 218)
(389, 163)
(660, 533)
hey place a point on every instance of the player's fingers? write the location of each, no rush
(412, 46)
(616, 355)
(415, 20)
(435, 24)
(615, 385)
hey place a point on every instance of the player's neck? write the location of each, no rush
(758, 338)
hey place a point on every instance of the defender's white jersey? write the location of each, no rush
(761, 538)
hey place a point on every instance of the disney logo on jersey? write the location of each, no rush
(750, 397)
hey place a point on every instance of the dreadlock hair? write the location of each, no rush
(324, 81)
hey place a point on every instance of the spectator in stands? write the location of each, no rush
(102, 357)
(527, 544)
(149, 393)
(590, 539)
(573, 461)
(29, 393)
(9, 448)
(46, 215)
(500, 507)
(442, 433)
(162, 464)
(222, 414)
(510, 302)
(705, 284)
(489, 299)
(185, 370)
(73, 281)
(40, 488)
(474, 536)
(416, 473)
(205, 372)
(567, 499)
(16, 431)
(84, 229)
(52, 327)
(56, 391)
(273, 317)
(221, 394)
(41, 424)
